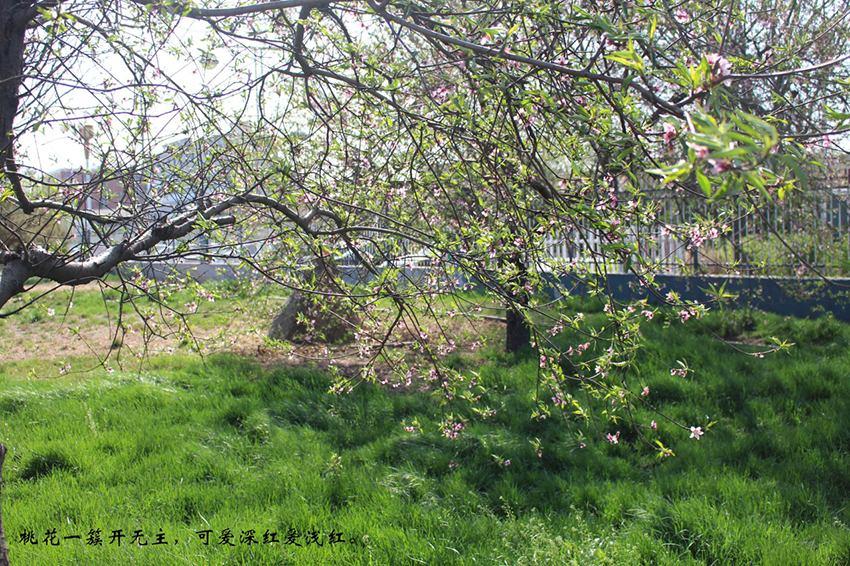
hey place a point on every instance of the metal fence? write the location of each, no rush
(804, 234)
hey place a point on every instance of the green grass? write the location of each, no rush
(186, 446)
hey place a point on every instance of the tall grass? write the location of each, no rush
(188, 446)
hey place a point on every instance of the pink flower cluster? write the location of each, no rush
(446, 349)
(208, 296)
(669, 132)
(699, 235)
(700, 150)
(453, 428)
(441, 93)
(559, 400)
(555, 330)
(720, 68)
(580, 349)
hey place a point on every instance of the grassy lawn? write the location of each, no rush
(224, 446)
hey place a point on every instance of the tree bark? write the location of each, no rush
(4, 550)
(333, 324)
(517, 333)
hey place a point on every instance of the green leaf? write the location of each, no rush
(628, 58)
(728, 153)
(704, 183)
(836, 115)
(799, 174)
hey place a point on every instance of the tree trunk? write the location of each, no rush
(331, 319)
(4, 550)
(517, 333)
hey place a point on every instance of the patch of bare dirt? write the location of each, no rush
(56, 340)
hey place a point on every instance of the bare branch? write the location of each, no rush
(793, 72)
(204, 13)
(648, 95)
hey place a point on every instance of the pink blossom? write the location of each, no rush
(648, 314)
(696, 432)
(441, 93)
(453, 428)
(410, 429)
(507, 462)
(701, 150)
(653, 425)
(697, 237)
(682, 16)
(645, 392)
(50, 312)
(720, 67)
(684, 315)
(613, 438)
(669, 132)
(453, 464)
(721, 165)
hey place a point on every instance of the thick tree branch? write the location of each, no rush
(13, 27)
(202, 13)
(56, 267)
